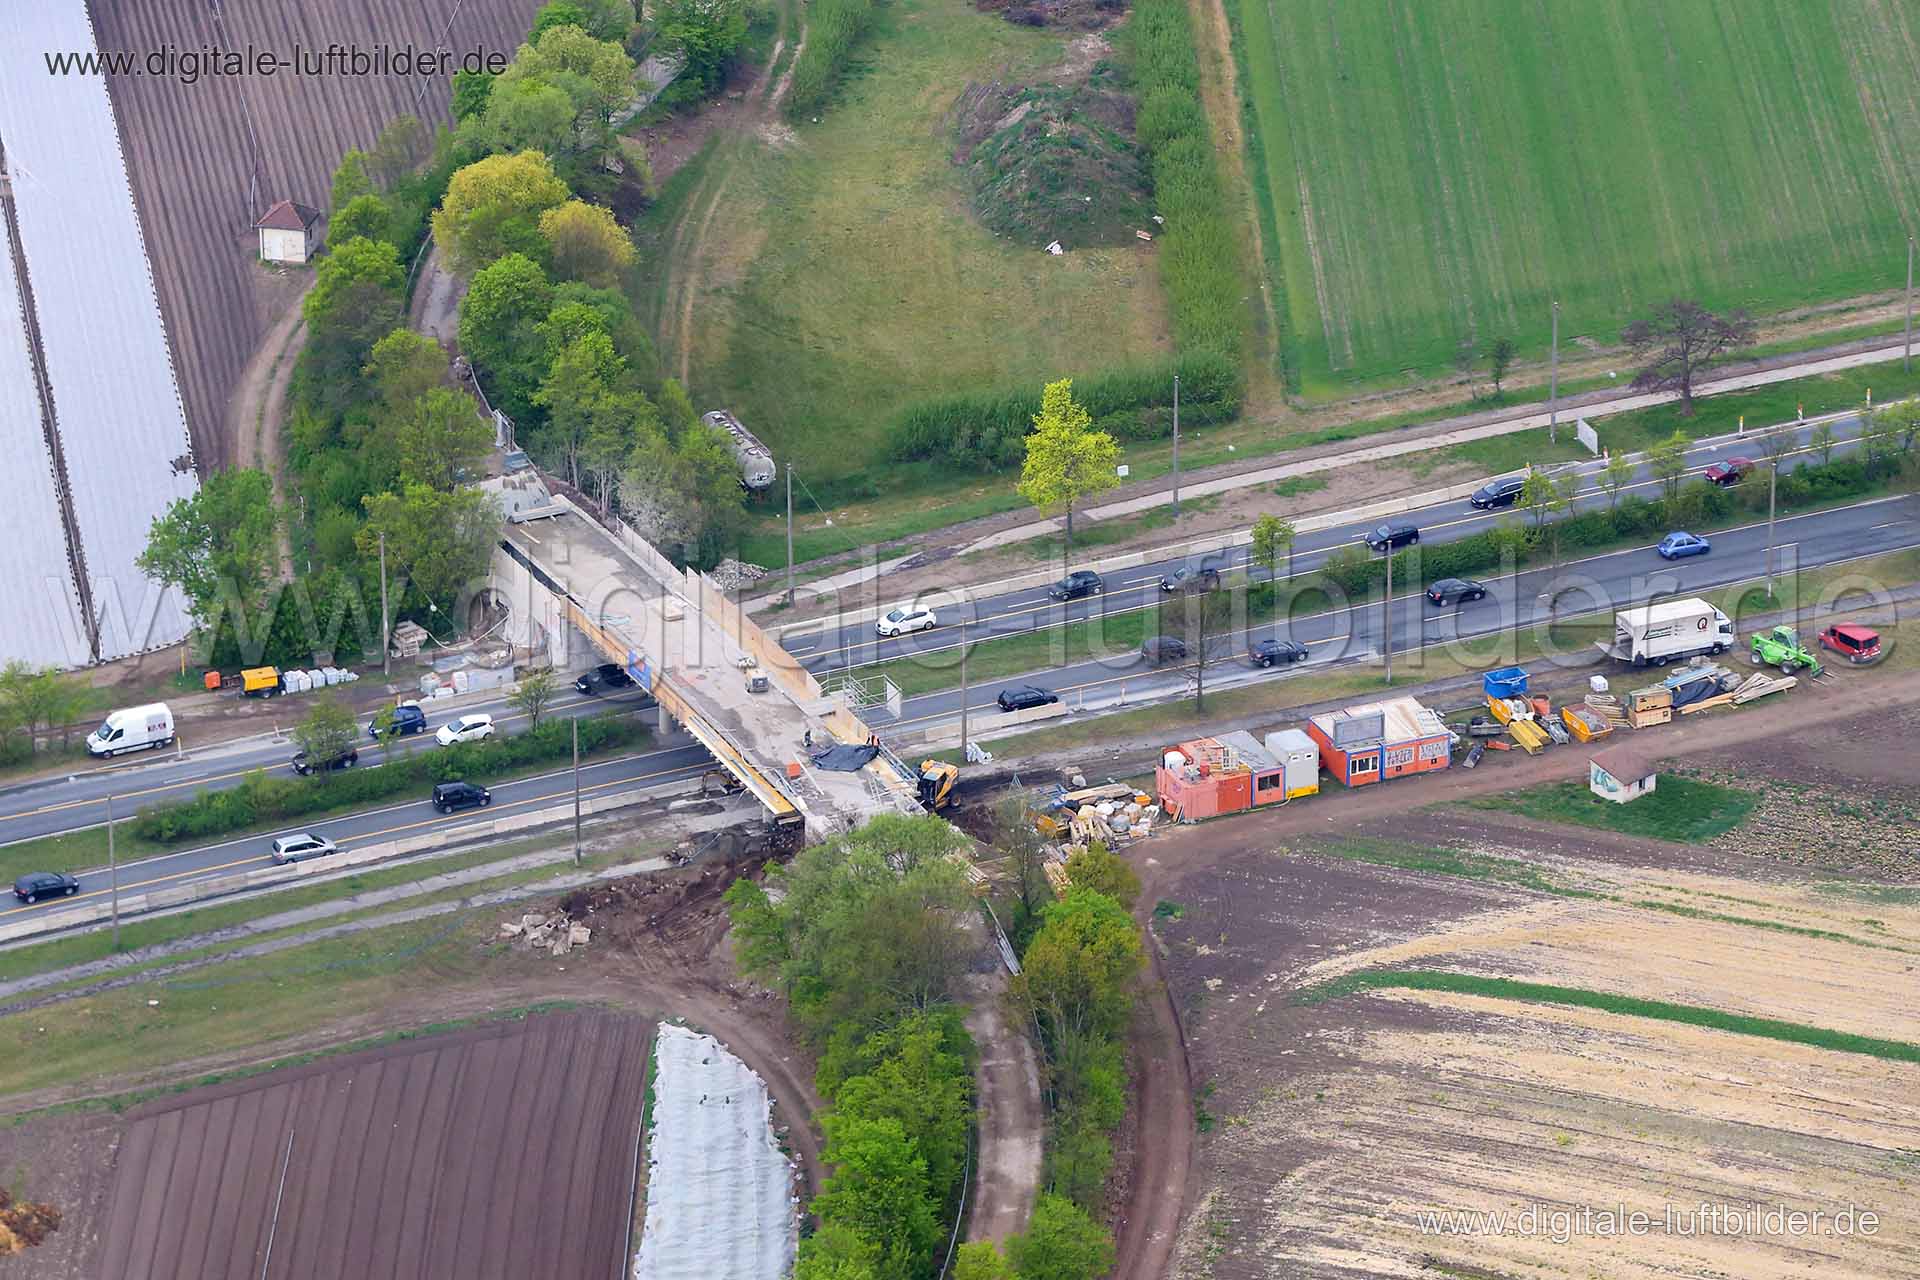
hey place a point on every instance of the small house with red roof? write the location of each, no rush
(289, 232)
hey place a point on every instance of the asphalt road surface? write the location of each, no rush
(1604, 582)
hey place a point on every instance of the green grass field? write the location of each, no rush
(847, 278)
(1434, 172)
(1681, 809)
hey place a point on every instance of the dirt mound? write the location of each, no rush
(1051, 162)
(1082, 15)
(24, 1224)
(655, 910)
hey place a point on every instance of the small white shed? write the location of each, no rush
(289, 232)
(1620, 774)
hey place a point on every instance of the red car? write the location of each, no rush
(1855, 642)
(1729, 473)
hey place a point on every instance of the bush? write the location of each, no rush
(264, 798)
(832, 28)
(988, 430)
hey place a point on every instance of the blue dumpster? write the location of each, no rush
(1507, 682)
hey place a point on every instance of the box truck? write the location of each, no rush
(1668, 631)
(131, 729)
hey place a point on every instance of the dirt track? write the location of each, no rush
(1011, 1121)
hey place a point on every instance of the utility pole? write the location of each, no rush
(1388, 610)
(963, 689)
(575, 722)
(1553, 388)
(789, 535)
(1907, 366)
(113, 873)
(1176, 446)
(386, 659)
(1773, 480)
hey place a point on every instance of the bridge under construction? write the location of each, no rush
(762, 716)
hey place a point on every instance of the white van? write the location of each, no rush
(131, 728)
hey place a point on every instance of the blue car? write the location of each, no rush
(1676, 545)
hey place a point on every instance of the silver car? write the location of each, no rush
(301, 846)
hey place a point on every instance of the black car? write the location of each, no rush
(1451, 589)
(1202, 574)
(345, 760)
(1025, 696)
(1393, 535)
(1081, 582)
(36, 885)
(1503, 492)
(608, 675)
(448, 796)
(1267, 653)
(407, 719)
(1158, 649)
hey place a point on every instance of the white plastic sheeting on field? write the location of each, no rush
(36, 580)
(121, 425)
(720, 1193)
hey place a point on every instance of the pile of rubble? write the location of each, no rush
(553, 933)
(731, 575)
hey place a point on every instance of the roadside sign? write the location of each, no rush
(1587, 435)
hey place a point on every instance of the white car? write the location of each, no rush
(472, 728)
(908, 617)
(296, 848)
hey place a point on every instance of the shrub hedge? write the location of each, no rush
(264, 798)
(1696, 504)
(1199, 254)
(988, 430)
(832, 28)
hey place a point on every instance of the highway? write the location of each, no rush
(1595, 583)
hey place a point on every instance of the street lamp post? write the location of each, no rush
(1176, 447)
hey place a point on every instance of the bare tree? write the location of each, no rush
(1205, 619)
(1499, 361)
(1679, 340)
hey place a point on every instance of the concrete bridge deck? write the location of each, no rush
(697, 653)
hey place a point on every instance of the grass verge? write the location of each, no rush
(1680, 809)
(1608, 1002)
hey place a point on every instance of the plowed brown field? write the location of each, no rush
(504, 1150)
(206, 159)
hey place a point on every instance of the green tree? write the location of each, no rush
(325, 733)
(404, 366)
(583, 375)
(1066, 460)
(925, 1086)
(837, 1252)
(493, 207)
(219, 547)
(879, 1190)
(1668, 462)
(440, 439)
(471, 92)
(350, 180)
(1499, 361)
(1536, 496)
(499, 330)
(1615, 477)
(1822, 441)
(677, 414)
(31, 697)
(585, 243)
(523, 115)
(358, 261)
(440, 542)
(364, 218)
(619, 422)
(556, 13)
(871, 924)
(1061, 1243)
(1077, 974)
(1273, 537)
(400, 149)
(708, 33)
(1100, 869)
(980, 1260)
(1021, 843)
(532, 695)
